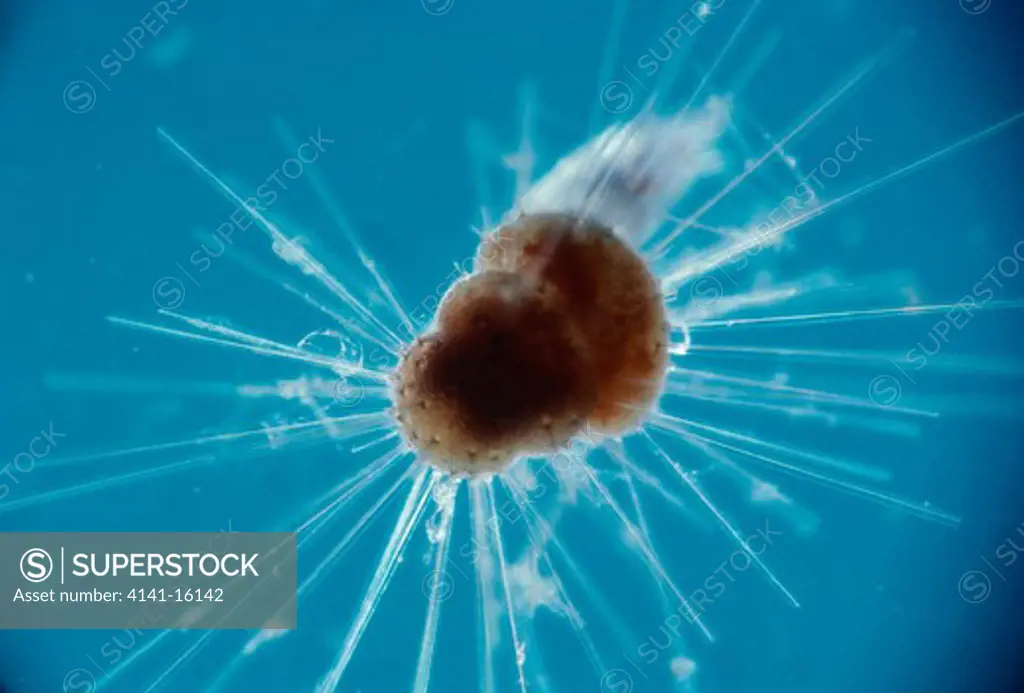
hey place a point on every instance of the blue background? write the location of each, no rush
(96, 209)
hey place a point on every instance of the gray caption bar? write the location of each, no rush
(180, 580)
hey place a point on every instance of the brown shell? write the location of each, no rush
(608, 292)
(560, 326)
